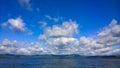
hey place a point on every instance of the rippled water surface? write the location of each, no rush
(58, 63)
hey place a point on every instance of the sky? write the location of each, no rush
(89, 27)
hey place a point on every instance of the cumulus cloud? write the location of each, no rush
(17, 25)
(53, 18)
(61, 45)
(67, 29)
(25, 3)
(110, 35)
(104, 42)
(15, 47)
(59, 39)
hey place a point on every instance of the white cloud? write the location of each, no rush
(59, 40)
(114, 52)
(49, 17)
(29, 32)
(53, 18)
(102, 51)
(89, 42)
(5, 24)
(67, 29)
(110, 35)
(17, 24)
(102, 44)
(62, 45)
(23, 51)
(15, 47)
(43, 24)
(26, 4)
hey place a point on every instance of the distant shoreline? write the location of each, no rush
(56, 56)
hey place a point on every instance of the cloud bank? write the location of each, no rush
(59, 39)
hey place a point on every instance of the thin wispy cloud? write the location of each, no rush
(55, 19)
(25, 3)
(43, 24)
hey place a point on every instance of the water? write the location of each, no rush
(58, 63)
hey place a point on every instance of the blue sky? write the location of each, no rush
(28, 20)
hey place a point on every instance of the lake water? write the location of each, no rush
(58, 63)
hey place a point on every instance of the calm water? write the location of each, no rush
(59, 63)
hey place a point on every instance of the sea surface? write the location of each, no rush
(59, 63)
